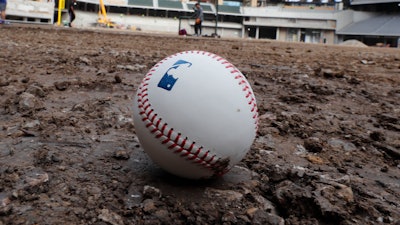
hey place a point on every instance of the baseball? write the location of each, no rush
(195, 115)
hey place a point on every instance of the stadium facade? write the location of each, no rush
(373, 22)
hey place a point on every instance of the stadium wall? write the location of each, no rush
(157, 24)
(29, 11)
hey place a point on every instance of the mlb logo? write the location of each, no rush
(168, 81)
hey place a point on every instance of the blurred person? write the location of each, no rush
(198, 15)
(71, 12)
(3, 5)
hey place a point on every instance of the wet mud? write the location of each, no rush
(327, 150)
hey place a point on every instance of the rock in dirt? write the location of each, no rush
(5, 207)
(121, 155)
(37, 179)
(85, 60)
(261, 217)
(28, 102)
(117, 79)
(149, 206)
(151, 192)
(227, 195)
(61, 86)
(313, 144)
(36, 90)
(4, 82)
(110, 217)
(136, 67)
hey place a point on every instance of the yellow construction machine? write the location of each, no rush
(103, 21)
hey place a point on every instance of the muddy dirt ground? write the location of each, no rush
(327, 150)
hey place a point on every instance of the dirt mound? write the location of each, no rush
(355, 43)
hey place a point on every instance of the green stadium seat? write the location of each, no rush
(141, 2)
(229, 9)
(170, 4)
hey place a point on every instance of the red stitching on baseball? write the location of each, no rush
(179, 150)
(185, 153)
(174, 141)
(163, 127)
(183, 142)
(158, 122)
(211, 159)
(177, 138)
(170, 133)
(172, 146)
(242, 82)
(191, 146)
(204, 156)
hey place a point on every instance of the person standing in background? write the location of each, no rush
(198, 15)
(3, 6)
(71, 12)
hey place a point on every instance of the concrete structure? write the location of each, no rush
(375, 23)
(292, 24)
(281, 22)
(29, 11)
(312, 21)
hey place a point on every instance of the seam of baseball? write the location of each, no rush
(175, 141)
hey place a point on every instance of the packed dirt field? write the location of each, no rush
(327, 150)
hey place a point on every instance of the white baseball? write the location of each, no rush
(195, 115)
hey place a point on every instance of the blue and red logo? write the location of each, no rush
(168, 81)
